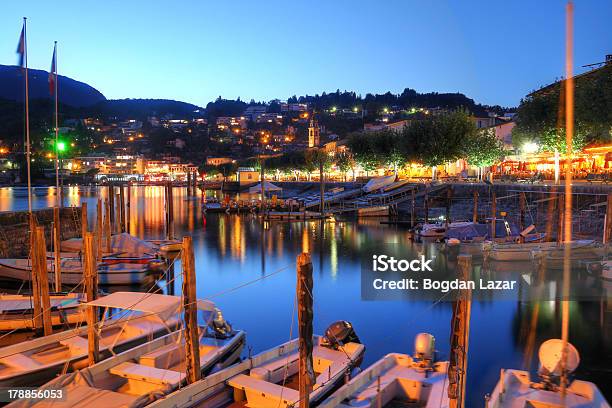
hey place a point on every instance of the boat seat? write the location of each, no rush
(20, 362)
(263, 393)
(166, 356)
(76, 344)
(274, 370)
(148, 374)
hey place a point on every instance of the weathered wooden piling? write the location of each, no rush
(99, 232)
(449, 200)
(190, 307)
(128, 209)
(522, 205)
(550, 210)
(413, 209)
(57, 242)
(608, 224)
(90, 273)
(475, 209)
(118, 213)
(122, 203)
(39, 269)
(84, 226)
(560, 214)
(493, 214)
(426, 204)
(107, 224)
(304, 304)
(460, 334)
(111, 201)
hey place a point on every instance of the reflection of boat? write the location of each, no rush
(139, 317)
(149, 371)
(524, 252)
(376, 211)
(16, 311)
(516, 389)
(269, 379)
(72, 272)
(398, 380)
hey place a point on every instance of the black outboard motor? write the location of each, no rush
(222, 329)
(338, 334)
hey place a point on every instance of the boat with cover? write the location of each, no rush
(398, 380)
(515, 389)
(16, 311)
(378, 183)
(129, 319)
(524, 252)
(72, 271)
(147, 372)
(269, 379)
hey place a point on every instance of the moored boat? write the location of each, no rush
(516, 389)
(16, 311)
(138, 317)
(149, 371)
(398, 380)
(524, 251)
(269, 379)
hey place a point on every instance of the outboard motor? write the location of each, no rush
(424, 347)
(339, 333)
(222, 329)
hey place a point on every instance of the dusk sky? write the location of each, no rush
(194, 51)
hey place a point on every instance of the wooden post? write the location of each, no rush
(475, 210)
(84, 226)
(117, 213)
(522, 205)
(305, 312)
(36, 307)
(122, 202)
(321, 185)
(549, 216)
(560, 208)
(39, 265)
(460, 335)
(170, 211)
(261, 182)
(111, 201)
(426, 204)
(449, 198)
(128, 206)
(57, 243)
(190, 306)
(493, 215)
(99, 233)
(107, 224)
(413, 209)
(91, 291)
(608, 224)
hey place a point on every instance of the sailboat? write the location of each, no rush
(398, 380)
(147, 372)
(137, 317)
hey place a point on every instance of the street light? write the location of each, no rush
(61, 146)
(530, 147)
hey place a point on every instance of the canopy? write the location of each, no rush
(267, 187)
(151, 303)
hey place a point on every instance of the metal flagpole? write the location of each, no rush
(58, 192)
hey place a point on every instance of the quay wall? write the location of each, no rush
(15, 229)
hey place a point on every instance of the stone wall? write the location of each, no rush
(14, 229)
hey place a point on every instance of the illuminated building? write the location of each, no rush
(314, 136)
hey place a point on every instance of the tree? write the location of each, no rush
(345, 162)
(483, 148)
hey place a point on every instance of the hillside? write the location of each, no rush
(71, 92)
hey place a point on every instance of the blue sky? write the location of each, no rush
(493, 51)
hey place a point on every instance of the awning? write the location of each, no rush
(267, 187)
(150, 303)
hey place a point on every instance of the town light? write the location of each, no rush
(61, 146)
(530, 147)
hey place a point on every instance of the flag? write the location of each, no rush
(21, 47)
(52, 73)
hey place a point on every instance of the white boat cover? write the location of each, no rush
(378, 183)
(267, 188)
(151, 303)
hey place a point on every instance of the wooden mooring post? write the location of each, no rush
(84, 226)
(475, 209)
(99, 231)
(122, 203)
(107, 224)
(304, 292)
(550, 210)
(39, 269)
(118, 213)
(493, 214)
(57, 243)
(560, 213)
(522, 207)
(608, 224)
(90, 272)
(111, 200)
(190, 307)
(449, 201)
(426, 204)
(460, 335)
(128, 207)
(413, 209)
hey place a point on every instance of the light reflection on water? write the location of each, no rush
(231, 250)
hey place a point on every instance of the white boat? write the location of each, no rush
(138, 317)
(524, 252)
(516, 389)
(269, 378)
(16, 311)
(147, 372)
(439, 230)
(72, 272)
(378, 183)
(398, 380)
(123, 242)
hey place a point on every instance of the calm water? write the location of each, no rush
(232, 250)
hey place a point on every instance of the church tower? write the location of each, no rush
(313, 132)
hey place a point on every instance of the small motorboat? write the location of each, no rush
(137, 318)
(440, 230)
(524, 252)
(147, 372)
(398, 380)
(72, 272)
(269, 379)
(515, 388)
(17, 311)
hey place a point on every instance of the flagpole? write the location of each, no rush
(27, 118)
(58, 192)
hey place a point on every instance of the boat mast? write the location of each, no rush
(27, 113)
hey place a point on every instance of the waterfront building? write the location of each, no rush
(314, 136)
